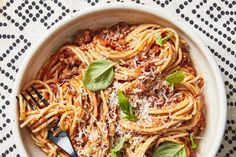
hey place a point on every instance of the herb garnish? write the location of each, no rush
(125, 106)
(99, 75)
(116, 151)
(160, 40)
(170, 149)
(193, 144)
(174, 79)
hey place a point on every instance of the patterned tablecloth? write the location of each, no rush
(22, 22)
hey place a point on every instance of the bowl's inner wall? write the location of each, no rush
(107, 18)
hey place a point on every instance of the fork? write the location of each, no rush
(62, 140)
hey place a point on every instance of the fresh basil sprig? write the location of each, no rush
(116, 151)
(193, 144)
(170, 149)
(160, 40)
(174, 79)
(99, 75)
(125, 106)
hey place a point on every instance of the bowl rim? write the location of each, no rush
(126, 6)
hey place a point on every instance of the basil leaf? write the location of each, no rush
(59, 155)
(174, 79)
(120, 144)
(125, 106)
(170, 149)
(99, 75)
(130, 117)
(116, 151)
(116, 154)
(160, 41)
(193, 144)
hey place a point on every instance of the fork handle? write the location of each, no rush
(73, 154)
(63, 141)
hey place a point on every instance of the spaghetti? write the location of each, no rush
(94, 120)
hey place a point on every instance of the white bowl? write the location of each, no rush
(107, 15)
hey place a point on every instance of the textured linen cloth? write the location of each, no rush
(22, 23)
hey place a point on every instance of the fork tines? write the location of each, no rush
(33, 98)
(24, 97)
(40, 96)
